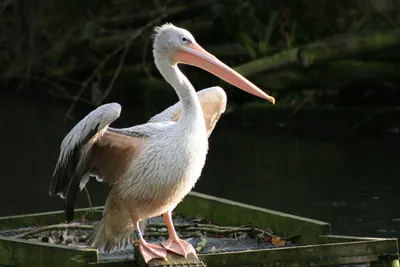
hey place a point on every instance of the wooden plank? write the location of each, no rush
(128, 263)
(344, 261)
(21, 253)
(311, 255)
(386, 262)
(226, 212)
(46, 218)
(329, 239)
(172, 260)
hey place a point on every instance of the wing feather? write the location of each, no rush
(86, 131)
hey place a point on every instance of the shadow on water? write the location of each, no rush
(353, 184)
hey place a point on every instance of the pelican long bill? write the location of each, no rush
(193, 54)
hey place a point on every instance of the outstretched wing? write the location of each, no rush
(87, 131)
(72, 167)
(213, 103)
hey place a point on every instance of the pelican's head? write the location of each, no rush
(169, 38)
(179, 46)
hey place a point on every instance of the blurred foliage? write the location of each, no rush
(85, 50)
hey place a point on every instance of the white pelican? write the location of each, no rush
(151, 167)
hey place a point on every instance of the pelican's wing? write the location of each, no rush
(87, 131)
(89, 149)
(213, 103)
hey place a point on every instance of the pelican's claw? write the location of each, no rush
(179, 246)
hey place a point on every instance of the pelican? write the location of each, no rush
(150, 167)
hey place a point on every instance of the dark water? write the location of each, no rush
(353, 184)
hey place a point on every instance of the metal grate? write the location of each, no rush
(119, 255)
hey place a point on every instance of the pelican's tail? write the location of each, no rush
(113, 233)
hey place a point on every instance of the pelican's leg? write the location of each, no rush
(149, 251)
(174, 243)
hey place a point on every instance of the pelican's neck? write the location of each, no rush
(190, 103)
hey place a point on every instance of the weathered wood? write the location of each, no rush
(226, 212)
(277, 61)
(172, 260)
(25, 253)
(332, 74)
(325, 249)
(126, 263)
(329, 239)
(343, 46)
(47, 218)
(312, 255)
(334, 48)
(386, 262)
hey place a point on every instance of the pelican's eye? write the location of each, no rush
(185, 40)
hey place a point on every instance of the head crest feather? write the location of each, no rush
(159, 29)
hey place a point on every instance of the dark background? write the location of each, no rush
(327, 150)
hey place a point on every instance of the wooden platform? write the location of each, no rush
(315, 246)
